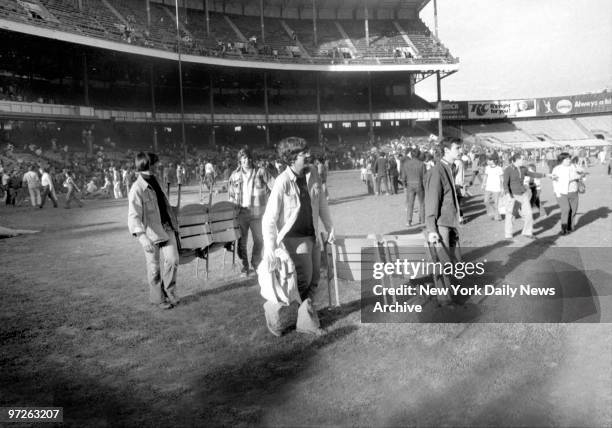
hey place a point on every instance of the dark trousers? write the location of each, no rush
(247, 222)
(46, 191)
(11, 196)
(413, 190)
(393, 183)
(569, 207)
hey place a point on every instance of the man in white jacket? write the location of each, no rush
(31, 179)
(48, 189)
(295, 205)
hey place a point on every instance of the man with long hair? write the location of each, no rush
(249, 187)
(152, 221)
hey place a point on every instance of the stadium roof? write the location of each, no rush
(329, 4)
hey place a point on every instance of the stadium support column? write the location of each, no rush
(438, 80)
(148, 7)
(211, 99)
(180, 72)
(319, 130)
(371, 131)
(266, 108)
(261, 20)
(207, 17)
(153, 108)
(85, 80)
(314, 22)
(367, 29)
(436, 17)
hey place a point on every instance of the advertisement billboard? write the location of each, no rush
(454, 110)
(575, 104)
(501, 109)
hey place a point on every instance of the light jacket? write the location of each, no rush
(567, 179)
(280, 285)
(143, 212)
(262, 183)
(284, 205)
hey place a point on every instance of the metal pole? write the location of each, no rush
(207, 18)
(261, 19)
(148, 6)
(367, 29)
(180, 70)
(266, 108)
(438, 80)
(436, 17)
(314, 22)
(85, 80)
(370, 107)
(319, 133)
(211, 98)
(153, 108)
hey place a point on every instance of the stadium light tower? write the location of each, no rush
(180, 71)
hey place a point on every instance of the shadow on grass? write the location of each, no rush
(240, 394)
(338, 201)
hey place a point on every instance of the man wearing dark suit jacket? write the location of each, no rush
(441, 202)
(413, 176)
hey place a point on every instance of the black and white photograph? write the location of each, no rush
(306, 213)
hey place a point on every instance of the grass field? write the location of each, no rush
(77, 331)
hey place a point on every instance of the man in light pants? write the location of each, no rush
(517, 192)
(31, 179)
(291, 220)
(48, 189)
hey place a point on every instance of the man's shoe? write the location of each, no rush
(244, 272)
(532, 237)
(165, 305)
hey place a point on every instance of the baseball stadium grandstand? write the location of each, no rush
(193, 75)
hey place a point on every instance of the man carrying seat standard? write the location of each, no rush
(152, 221)
(249, 188)
(291, 222)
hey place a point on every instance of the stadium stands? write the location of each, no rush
(553, 129)
(598, 124)
(506, 133)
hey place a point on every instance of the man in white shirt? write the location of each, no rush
(47, 189)
(492, 185)
(31, 179)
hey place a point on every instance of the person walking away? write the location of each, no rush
(380, 173)
(72, 189)
(393, 174)
(413, 177)
(33, 181)
(152, 221)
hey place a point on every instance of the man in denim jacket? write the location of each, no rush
(292, 217)
(152, 221)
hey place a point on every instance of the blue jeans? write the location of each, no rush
(305, 253)
(162, 278)
(246, 222)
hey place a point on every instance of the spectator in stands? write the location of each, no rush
(47, 189)
(516, 192)
(33, 182)
(413, 177)
(152, 221)
(249, 187)
(291, 220)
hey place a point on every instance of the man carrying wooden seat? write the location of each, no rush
(291, 220)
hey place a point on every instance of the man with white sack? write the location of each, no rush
(291, 223)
